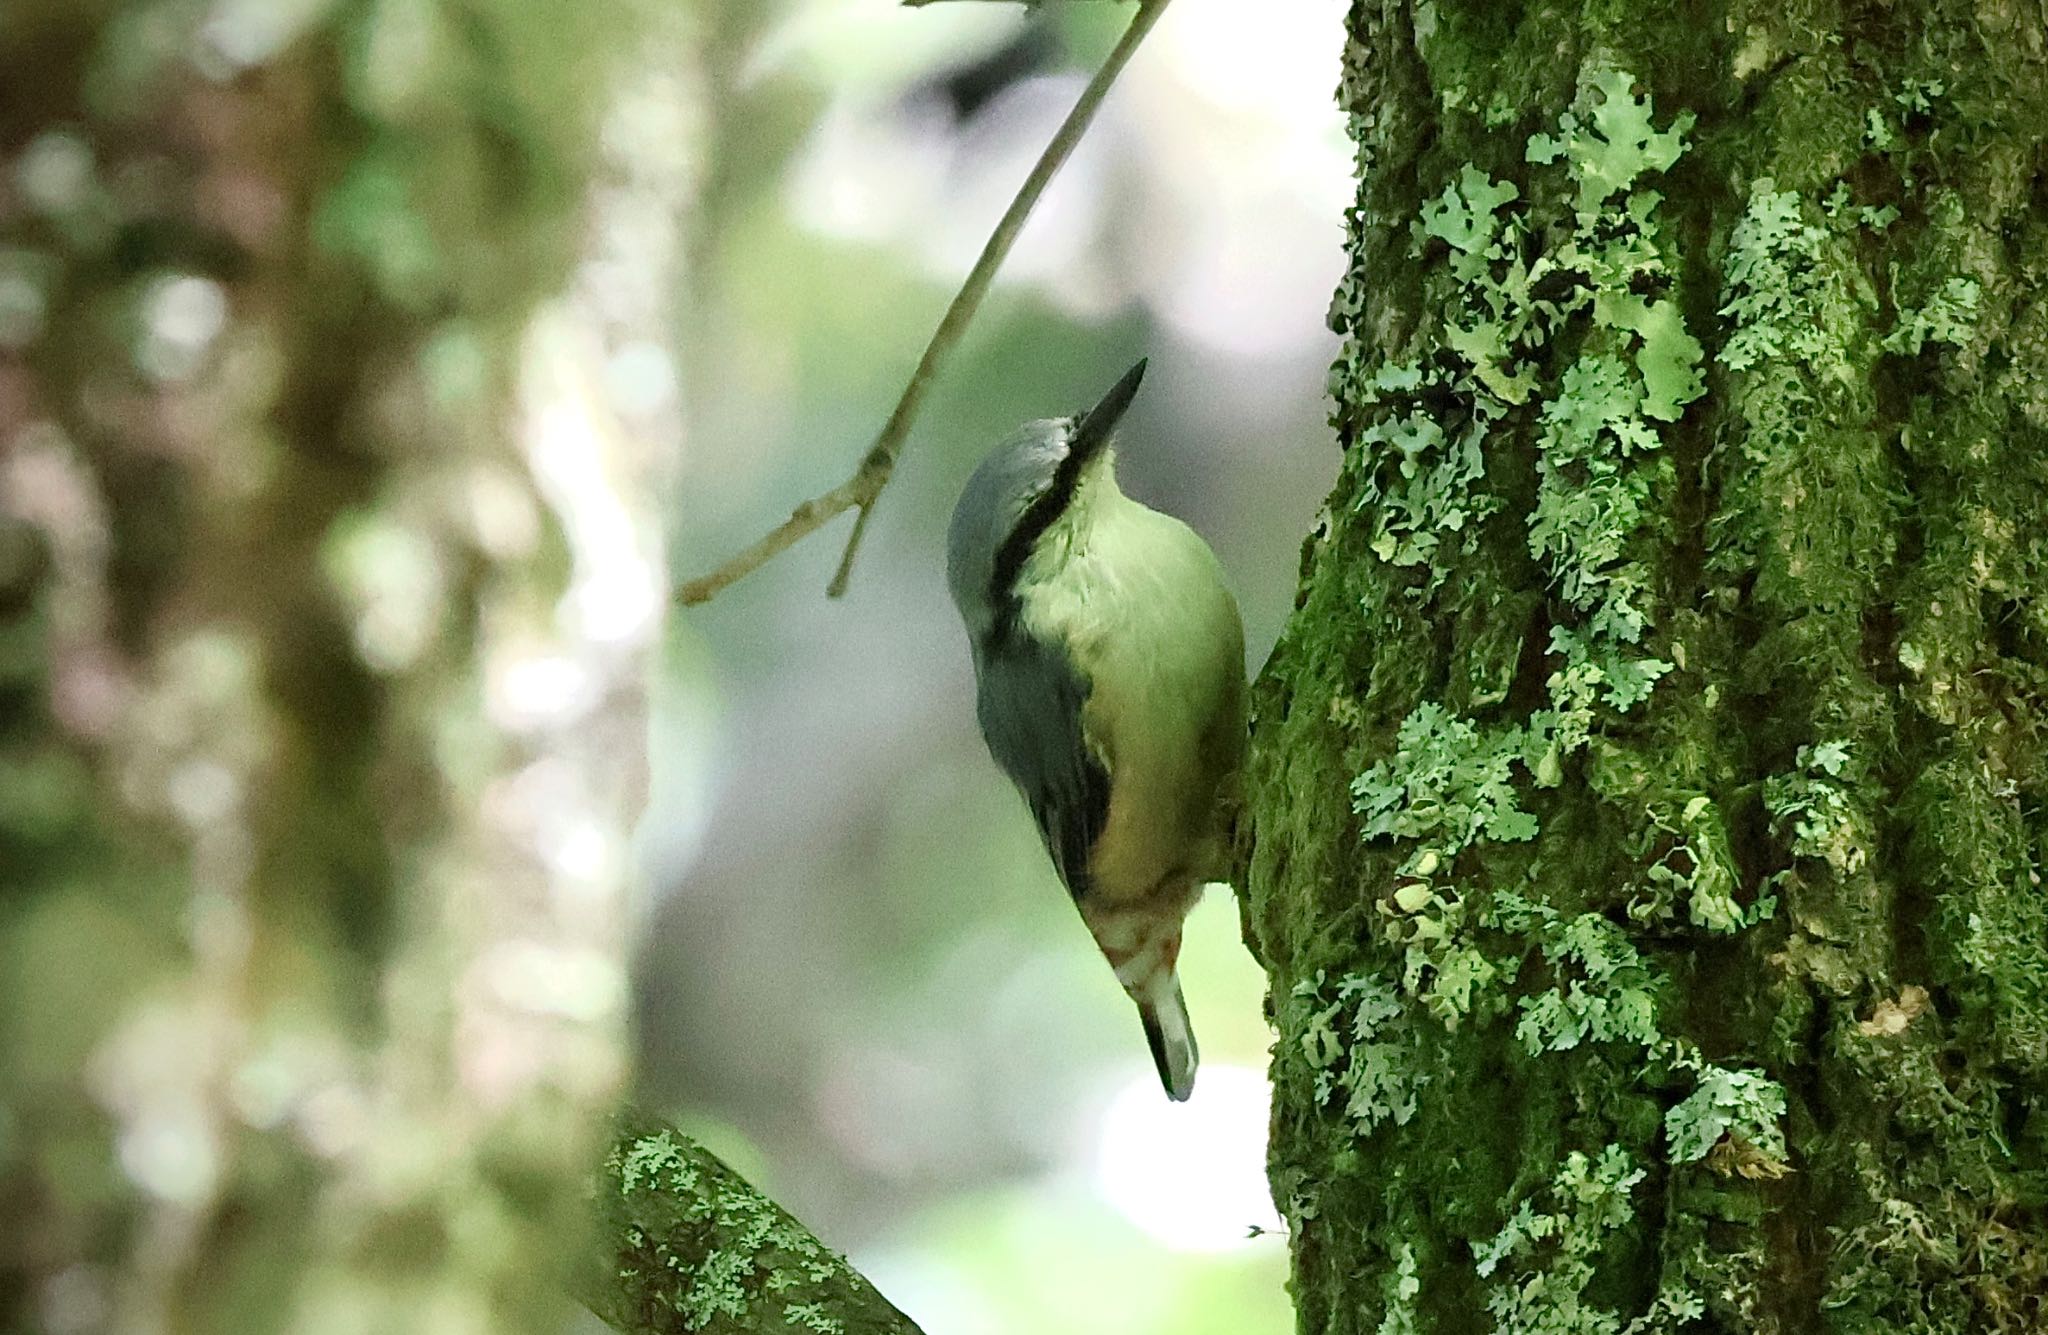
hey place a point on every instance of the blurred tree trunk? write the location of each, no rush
(323, 593)
(1648, 796)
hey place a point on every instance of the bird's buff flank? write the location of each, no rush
(1109, 661)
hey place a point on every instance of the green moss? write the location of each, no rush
(698, 1249)
(1678, 586)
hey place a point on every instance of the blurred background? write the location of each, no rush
(859, 979)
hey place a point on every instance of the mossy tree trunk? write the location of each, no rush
(1649, 795)
(319, 668)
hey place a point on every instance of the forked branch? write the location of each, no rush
(860, 491)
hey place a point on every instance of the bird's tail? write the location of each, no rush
(1167, 1031)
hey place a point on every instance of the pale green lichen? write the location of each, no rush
(1344, 1044)
(1445, 967)
(1450, 779)
(716, 1286)
(1811, 808)
(1602, 990)
(1451, 783)
(1361, 1043)
(1548, 1255)
(1610, 143)
(700, 1243)
(812, 1316)
(1696, 865)
(1811, 693)
(1400, 1288)
(1782, 294)
(1949, 316)
(1505, 309)
(1593, 498)
(1446, 784)
(1429, 497)
(1728, 1104)
(654, 1160)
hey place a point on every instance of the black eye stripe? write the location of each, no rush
(1016, 549)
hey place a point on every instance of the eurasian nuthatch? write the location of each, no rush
(1109, 661)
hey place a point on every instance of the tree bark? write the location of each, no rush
(1647, 799)
(691, 1247)
(320, 724)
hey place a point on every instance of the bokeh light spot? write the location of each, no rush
(1192, 1175)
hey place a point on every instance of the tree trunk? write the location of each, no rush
(1648, 796)
(319, 650)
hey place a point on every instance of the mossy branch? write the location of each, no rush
(860, 491)
(688, 1246)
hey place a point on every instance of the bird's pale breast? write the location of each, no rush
(1143, 605)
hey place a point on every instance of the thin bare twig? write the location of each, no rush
(861, 490)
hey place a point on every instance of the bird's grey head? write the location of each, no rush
(1016, 494)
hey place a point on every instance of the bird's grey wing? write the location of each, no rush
(1030, 711)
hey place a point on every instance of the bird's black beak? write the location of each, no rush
(1094, 427)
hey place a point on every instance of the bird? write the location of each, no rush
(1110, 686)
